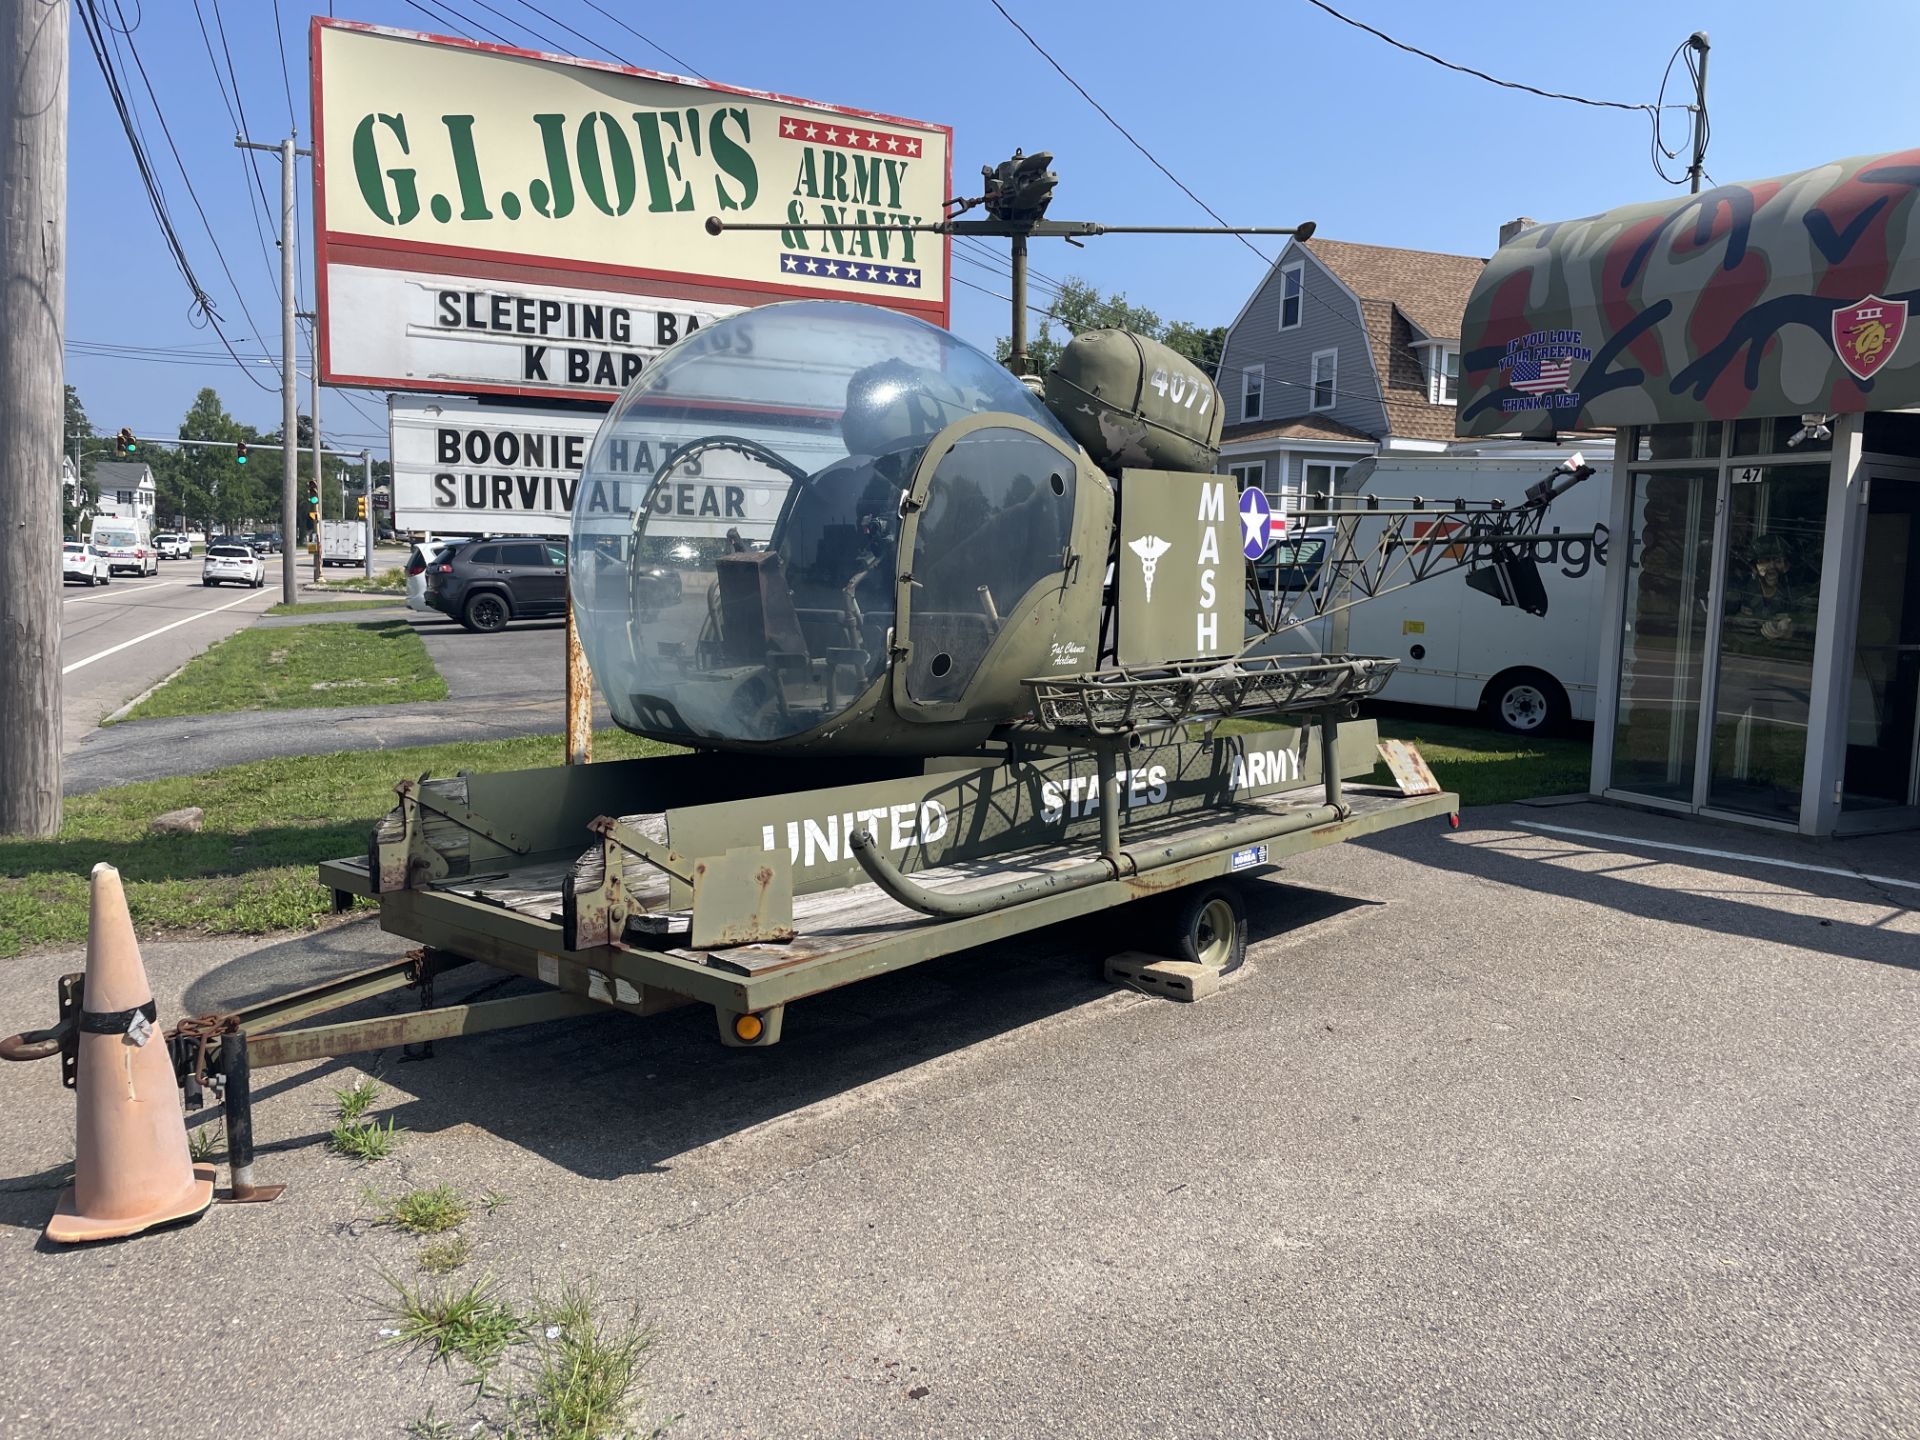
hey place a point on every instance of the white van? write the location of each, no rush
(1460, 648)
(127, 542)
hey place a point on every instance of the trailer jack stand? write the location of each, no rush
(236, 1075)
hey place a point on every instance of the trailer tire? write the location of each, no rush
(1526, 702)
(1210, 926)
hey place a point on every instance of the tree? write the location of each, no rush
(1079, 306)
(84, 498)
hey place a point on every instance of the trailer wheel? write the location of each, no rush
(1210, 926)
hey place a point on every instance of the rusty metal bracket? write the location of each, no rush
(594, 899)
(741, 897)
(460, 815)
(661, 857)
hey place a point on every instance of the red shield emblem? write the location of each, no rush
(1866, 335)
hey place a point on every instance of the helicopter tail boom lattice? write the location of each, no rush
(1416, 541)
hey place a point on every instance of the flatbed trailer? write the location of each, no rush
(704, 879)
(514, 917)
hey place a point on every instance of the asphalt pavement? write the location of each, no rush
(118, 640)
(1509, 1130)
(498, 686)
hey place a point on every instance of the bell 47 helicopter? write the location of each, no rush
(957, 668)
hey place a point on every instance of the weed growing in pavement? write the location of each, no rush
(493, 1200)
(471, 1322)
(443, 1257)
(584, 1369)
(204, 1141)
(356, 1099)
(430, 1427)
(423, 1212)
(363, 1140)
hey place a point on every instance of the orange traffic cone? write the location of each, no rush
(131, 1168)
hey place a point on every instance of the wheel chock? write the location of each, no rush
(1156, 975)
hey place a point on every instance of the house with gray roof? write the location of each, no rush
(1342, 351)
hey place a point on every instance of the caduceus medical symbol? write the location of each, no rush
(1149, 548)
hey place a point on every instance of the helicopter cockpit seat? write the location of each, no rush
(758, 624)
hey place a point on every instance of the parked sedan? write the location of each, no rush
(489, 582)
(230, 563)
(81, 561)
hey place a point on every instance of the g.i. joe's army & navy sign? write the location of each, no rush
(1774, 297)
(493, 221)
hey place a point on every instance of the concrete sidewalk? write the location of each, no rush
(1504, 1132)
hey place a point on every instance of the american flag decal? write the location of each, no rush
(1533, 376)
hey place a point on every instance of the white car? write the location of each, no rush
(424, 554)
(233, 564)
(173, 547)
(81, 561)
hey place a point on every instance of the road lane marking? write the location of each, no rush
(1740, 855)
(128, 587)
(127, 644)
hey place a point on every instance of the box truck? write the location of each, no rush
(1459, 648)
(343, 542)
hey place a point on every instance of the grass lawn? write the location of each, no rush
(292, 667)
(251, 870)
(1482, 766)
(392, 581)
(326, 607)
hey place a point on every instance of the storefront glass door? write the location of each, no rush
(1664, 639)
(1769, 605)
(1883, 703)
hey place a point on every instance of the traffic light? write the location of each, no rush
(362, 503)
(240, 453)
(124, 441)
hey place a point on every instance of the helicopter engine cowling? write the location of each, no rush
(1136, 404)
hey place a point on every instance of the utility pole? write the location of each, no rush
(1701, 45)
(33, 300)
(289, 374)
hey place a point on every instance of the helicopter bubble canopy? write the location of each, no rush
(737, 524)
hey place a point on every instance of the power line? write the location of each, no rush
(1128, 134)
(239, 128)
(167, 131)
(1331, 309)
(92, 22)
(286, 75)
(648, 41)
(1476, 74)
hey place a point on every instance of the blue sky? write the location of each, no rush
(1269, 110)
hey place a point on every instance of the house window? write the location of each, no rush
(1250, 476)
(123, 497)
(1293, 280)
(1325, 368)
(1443, 374)
(1253, 380)
(1322, 477)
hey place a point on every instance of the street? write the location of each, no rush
(118, 640)
(1510, 1130)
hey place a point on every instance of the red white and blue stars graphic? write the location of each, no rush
(863, 272)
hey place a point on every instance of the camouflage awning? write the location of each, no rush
(1775, 297)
